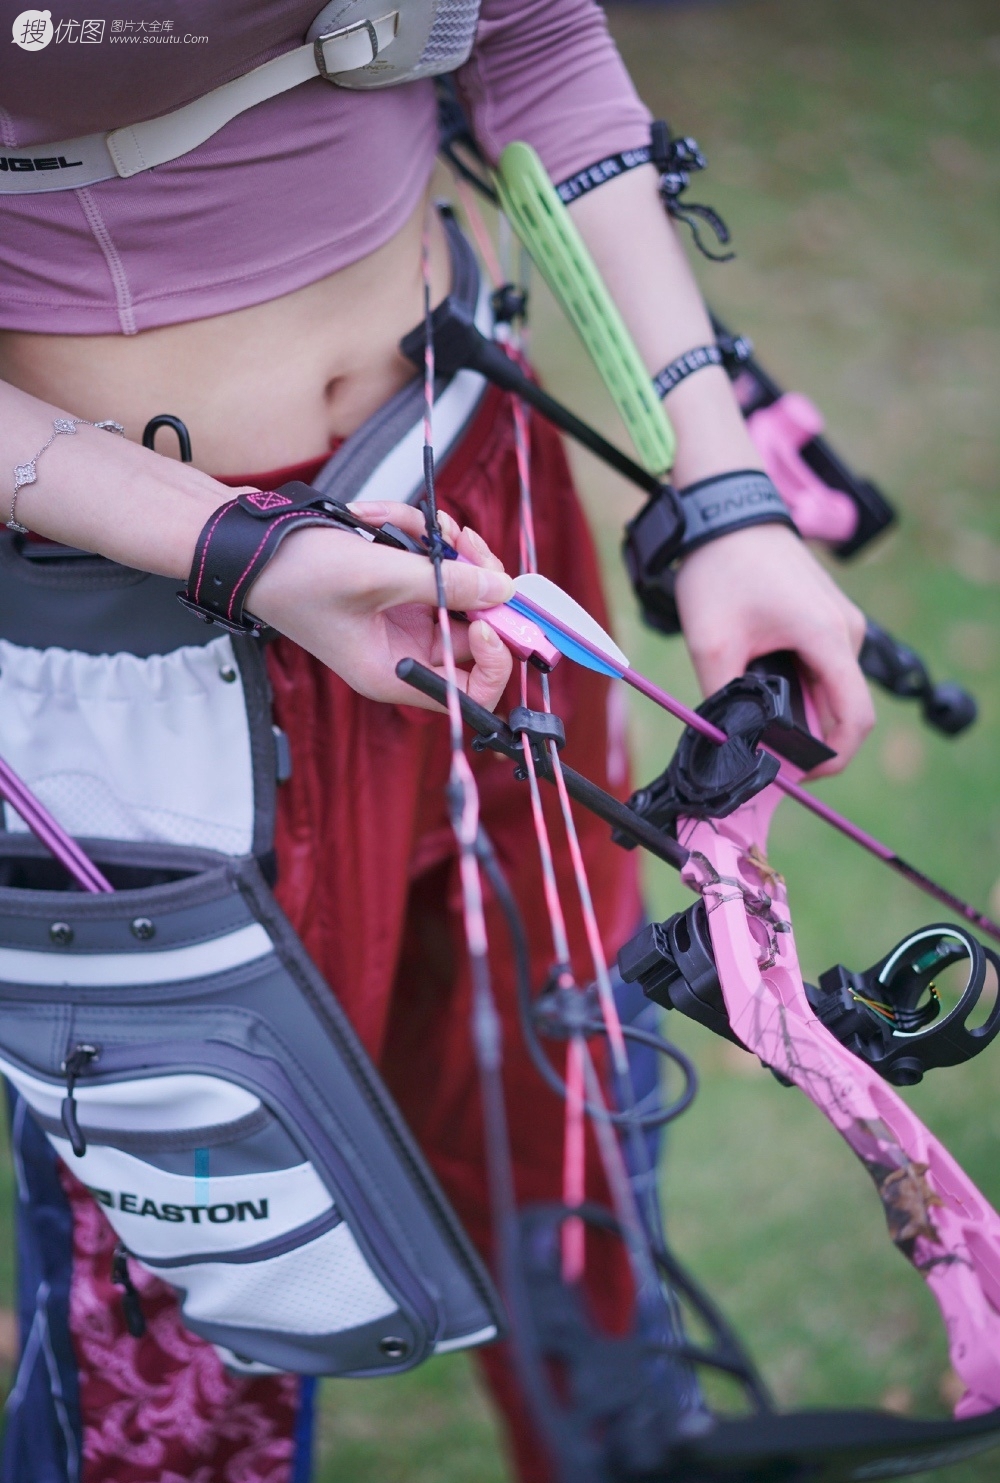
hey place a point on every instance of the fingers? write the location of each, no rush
(759, 590)
(717, 660)
(468, 588)
(827, 655)
(382, 579)
(471, 545)
(478, 582)
(466, 541)
(407, 517)
(460, 644)
(847, 712)
(491, 669)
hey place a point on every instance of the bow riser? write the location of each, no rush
(935, 1214)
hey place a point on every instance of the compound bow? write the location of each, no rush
(631, 1407)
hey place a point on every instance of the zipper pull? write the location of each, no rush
(79, 1058)
(135, 1319)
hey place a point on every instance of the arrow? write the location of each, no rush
(580, 637)
(50, 832)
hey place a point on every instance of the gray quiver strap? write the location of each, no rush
(235, 1133)
(357, 44)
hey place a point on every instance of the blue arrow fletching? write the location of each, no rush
(567, 646)
(567, 625)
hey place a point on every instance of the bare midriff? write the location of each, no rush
(262, 387)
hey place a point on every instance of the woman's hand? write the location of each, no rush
(360, 608)
(755, 591)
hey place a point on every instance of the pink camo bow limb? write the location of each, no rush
(935, 1214)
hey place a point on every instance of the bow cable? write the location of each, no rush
(633, 1190)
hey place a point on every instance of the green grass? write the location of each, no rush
(853, 147)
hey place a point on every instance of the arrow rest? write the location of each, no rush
(707, 781)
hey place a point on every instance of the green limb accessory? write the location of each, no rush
(543, 224)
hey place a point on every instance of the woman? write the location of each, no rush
(258, 286)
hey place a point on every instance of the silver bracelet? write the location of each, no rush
(26, 473)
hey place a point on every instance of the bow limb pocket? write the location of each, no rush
(172, 1039)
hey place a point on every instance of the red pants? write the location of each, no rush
(367, 874)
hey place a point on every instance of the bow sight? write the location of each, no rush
(896, 1016)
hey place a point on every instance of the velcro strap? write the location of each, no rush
(713, 507)
(236, 544)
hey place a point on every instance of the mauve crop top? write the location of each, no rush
(291, 190)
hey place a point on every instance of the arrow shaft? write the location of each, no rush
(822, 810)
(50, 833)
(794, 790)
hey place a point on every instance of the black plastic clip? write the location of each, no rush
(135, 1319)
(541, 728)
(538, 726)
(509, 302)
(677, 158)
(79, 1058)
(564, 1009)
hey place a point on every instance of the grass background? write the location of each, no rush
(853, 147)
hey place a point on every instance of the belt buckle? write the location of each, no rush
(359, 29)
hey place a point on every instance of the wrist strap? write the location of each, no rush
(672, 523)
(713, 507)
(242, 536)
(684, 366)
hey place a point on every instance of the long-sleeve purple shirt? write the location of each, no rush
(289, 191)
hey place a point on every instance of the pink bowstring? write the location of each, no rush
(479, 230)
(581, 1073)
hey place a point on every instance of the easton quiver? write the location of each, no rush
(172, 1039)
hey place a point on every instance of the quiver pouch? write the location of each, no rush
(182, 1053)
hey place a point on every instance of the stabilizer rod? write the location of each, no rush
(497, 736)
